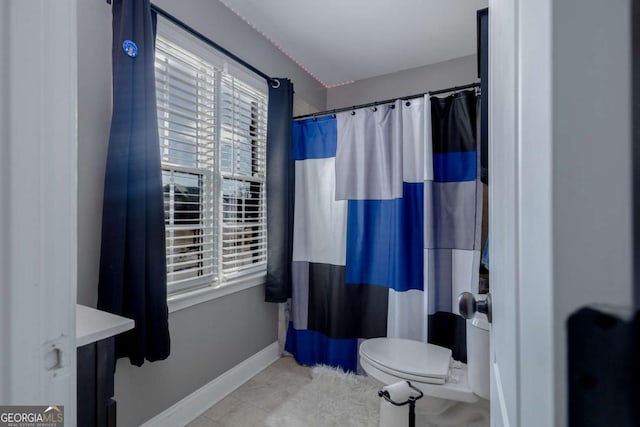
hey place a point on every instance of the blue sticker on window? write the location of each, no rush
(130, 48)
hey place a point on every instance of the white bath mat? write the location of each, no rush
(332, 398)
(337, 399)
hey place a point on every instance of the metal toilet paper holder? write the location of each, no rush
(411, 402)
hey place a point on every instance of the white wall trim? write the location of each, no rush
(192, 406)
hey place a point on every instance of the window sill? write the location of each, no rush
(198, 296)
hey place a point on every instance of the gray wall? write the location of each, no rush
(445, 74)
(94, 119)
(206, 340)
(212, 337)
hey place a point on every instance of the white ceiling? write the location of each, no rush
(339, 41)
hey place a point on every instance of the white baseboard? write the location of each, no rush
(192, 406)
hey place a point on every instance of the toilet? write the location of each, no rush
(431, 369)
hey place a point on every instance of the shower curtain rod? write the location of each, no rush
(275, 83)
(386, 101)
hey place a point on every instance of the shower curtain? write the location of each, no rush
(386, 227)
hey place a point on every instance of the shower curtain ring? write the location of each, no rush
(275, 83)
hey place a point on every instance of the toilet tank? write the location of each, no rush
(478, 355)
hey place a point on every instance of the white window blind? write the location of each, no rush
(212, 129)
(243, 164)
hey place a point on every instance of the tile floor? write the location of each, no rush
(251, 403)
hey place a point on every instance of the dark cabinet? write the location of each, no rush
(95, 332)
(96, 405)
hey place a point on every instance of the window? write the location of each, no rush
(212, 126)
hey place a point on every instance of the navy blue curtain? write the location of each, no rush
(280, 190)
(133, 278)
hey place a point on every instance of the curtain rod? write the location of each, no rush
(386, 101)
(275, 83)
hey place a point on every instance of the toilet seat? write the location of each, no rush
(430, 380)
(413, 360)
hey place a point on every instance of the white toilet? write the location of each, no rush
(430, 367)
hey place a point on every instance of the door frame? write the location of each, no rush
(635, 24)
(38, 106)
(574, 176)
(504, 222)
(536, 317)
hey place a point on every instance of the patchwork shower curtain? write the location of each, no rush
(386, 227)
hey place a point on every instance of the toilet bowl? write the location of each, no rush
(430, 368)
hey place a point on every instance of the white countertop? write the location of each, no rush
(94, 325)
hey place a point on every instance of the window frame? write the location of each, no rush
(187, 296)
